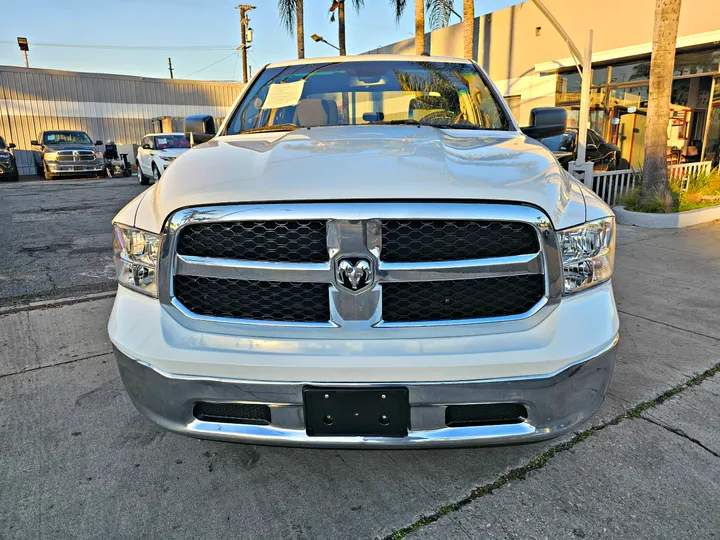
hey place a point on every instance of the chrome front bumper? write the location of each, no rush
(73, 167)
(556, 404)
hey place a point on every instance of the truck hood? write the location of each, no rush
(378, 163)
(172, 152)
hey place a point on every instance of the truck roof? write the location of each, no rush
(371, 58)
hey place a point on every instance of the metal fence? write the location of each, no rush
(114, 107)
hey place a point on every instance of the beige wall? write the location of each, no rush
(508, 48)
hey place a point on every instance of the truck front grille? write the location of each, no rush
(254, 300)
(76, 155)
(294, 264)
(451, 240)
(461, 299)
(288, 241)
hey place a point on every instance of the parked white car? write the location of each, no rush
(156, 152)
(370, 252)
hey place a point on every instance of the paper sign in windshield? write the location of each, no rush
(162, 141)
(283, 95)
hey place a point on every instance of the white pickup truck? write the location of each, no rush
(368, 253)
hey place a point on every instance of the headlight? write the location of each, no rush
(136, 256)
(99, 154)
(4, 156)
(588, 253)
(51, 156)
(168, 158)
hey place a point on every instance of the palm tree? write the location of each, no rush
(662, 64)
(468, 28)
(291, 14)
(339, 5)
(439, 16)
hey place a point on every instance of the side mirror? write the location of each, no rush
(34, 143)
(199, 128)
(546, 122)
(11, 146)
(146, 146)
(98, 143)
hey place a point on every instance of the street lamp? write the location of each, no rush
(24, 47)
(317, 38)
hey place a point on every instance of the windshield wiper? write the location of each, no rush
(278, 127)
(404, 121)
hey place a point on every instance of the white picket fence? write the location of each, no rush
(612, 185)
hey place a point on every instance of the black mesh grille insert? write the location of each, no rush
(461, 299)
(232, 413)
(286, 241)
(485, 415)
(260, 300)
(441, 240)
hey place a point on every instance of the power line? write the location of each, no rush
(131, 47)
(209, 66)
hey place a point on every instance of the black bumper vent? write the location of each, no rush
(485, 415)
(442, 240)
(277, 241)
(232, 413)
(461, 299)
(259, 300)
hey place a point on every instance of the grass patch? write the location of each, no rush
(684, 194)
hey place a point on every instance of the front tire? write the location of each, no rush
(144, 180)
(46, 172)
(156, 174)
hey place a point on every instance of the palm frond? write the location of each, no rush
(399, 7)
(286, 10)
(357, 4)
(438, 12)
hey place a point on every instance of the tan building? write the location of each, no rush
(531, 65)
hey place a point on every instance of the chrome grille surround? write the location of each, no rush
(354, 230)
(75, 155)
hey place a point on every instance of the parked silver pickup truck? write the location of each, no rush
(370, 253)
(68, 153)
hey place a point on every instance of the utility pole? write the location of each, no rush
(170, 67)
(244, 28)
(24, 47)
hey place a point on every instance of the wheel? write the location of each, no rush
(48, 176)
(144, 180)
(156, 173)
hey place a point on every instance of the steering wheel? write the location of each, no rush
(442, 118)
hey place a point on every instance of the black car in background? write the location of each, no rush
(605, 156)
(8, 167)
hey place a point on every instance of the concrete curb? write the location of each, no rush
(677, 220)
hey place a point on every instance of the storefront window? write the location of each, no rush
(696, 63)
(639, 71)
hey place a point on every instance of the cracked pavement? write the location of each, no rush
(57, 237)
(79, 462)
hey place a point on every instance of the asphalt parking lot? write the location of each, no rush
(79, 462)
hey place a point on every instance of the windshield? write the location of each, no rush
(66, 137)
(171, 141)
(560, 143)
(441, 94)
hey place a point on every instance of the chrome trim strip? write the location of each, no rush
(519, 265)
(223, 322)
(253, 270)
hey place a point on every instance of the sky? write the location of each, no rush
(135, 37)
